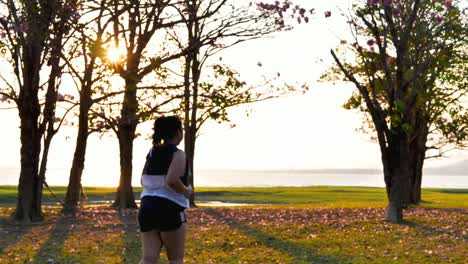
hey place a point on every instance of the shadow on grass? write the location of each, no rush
(11, 233)
(434, 230)
(131, 237)
(52, 251)
(295, 250)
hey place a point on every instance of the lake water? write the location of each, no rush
(249, 178)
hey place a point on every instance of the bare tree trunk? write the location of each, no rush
(190, 160)
(51, 103)
(419, 162)
(75, 189)
(418, 155)
(399, 161)
(193, 122)
(190, 129)
(125, 197)
(126, 134)
(44, 159)
(28, 208)
(72, 197)
(416, 180)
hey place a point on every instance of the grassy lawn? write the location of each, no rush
(313, 225)
(323, 196)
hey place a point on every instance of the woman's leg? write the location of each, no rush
(151, 247)
(174, 241)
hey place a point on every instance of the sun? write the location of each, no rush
(115, 55)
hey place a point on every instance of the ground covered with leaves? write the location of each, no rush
(279, 234)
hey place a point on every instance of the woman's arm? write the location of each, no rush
(177, 169)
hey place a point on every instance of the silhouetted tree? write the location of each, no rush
(34, 33)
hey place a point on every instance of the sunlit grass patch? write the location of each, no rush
(331, 231)
(316, 196)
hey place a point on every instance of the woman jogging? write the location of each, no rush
(165, 194)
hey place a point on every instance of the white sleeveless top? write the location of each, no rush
(156, 185)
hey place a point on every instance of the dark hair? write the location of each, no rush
(165, 128)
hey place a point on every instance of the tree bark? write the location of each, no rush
(416, 179)
(125, 197)
(28, 208)
(74, 189)
(73, 195)
(44, 159)
(418, 155)
(190, 152)
(126, 134)
(47, 126)
(399, 173)
(193, 121)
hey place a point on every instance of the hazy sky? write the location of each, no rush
(301, 132)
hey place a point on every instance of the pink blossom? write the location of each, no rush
(99, 125)
(302, 12)
(60, 97)
(357, 47)
(265, 6)
(22, 27)
(68, 8)
(448, 3)
(381, 40)
(390, 59)
(387, 2)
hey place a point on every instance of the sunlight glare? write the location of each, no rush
(115, 55)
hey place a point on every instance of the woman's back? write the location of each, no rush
(153, 178)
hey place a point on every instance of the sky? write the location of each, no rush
(310, 131)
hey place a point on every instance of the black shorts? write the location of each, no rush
(158, 213)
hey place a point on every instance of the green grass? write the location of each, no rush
(8, 194)
(246, 235)
(323, 196)
(286, 225)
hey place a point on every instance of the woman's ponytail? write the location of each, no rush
(158, 130)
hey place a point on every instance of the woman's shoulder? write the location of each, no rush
(179, 153)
